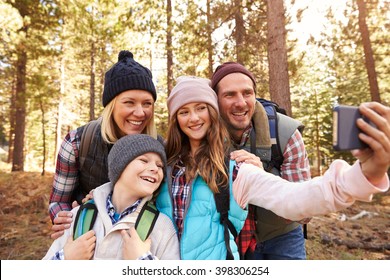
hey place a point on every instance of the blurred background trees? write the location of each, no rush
(306, 55)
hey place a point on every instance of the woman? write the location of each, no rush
(128, 99)
(197, 145)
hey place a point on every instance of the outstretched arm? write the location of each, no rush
(340, 186)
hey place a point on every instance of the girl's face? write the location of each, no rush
(133, 110)
(194, 121)
(142, 176)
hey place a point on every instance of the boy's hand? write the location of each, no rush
(133, 246)
(82, 248)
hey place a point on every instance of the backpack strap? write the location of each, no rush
(222, 202)
(87, 213)
(85, 218)
(146, 220)
(281, 127)
(86, 139)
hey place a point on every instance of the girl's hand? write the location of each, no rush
(243, 156)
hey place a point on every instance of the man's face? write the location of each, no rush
(236, 101)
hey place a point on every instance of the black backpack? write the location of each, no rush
(278, 147)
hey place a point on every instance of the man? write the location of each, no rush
(265, 235)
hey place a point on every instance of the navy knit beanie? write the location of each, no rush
(127, 148)
(127, 74)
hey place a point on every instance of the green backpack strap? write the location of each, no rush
(85, 218)
(146, 220)
(87, 213)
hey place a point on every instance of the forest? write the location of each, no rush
(306, 56)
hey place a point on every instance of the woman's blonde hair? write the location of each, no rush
(209, 159)
(110, 130)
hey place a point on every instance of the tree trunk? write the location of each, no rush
(92, 85)
(209, 40)
(43, 137)
(58, 139)
(20, 109)
(151, 48)
(317, 139)
(240, 31)
(12, 121)
(169, 48)
(277, 55)
(368, 54)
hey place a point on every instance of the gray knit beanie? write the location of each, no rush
(127, 74)
(128, 148)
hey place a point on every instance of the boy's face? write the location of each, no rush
(142, 176)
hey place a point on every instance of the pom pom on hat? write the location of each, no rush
(123, 54)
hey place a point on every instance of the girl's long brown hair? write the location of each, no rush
(209, 160)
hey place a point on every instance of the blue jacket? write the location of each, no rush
(203, 234)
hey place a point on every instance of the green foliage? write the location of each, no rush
(332, 70)
(254, 50)
(191, 42)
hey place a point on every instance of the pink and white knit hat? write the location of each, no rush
(191, 89)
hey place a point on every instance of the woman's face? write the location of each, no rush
(194, 121)
(133, 110)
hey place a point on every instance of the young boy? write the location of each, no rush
(136, 168)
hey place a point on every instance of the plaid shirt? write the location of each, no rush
(180, 191)
(66, 176)
(295, 168)
(115, 217)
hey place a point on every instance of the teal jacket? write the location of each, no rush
(203, 234)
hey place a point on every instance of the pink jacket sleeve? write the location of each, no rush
(338, 188)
